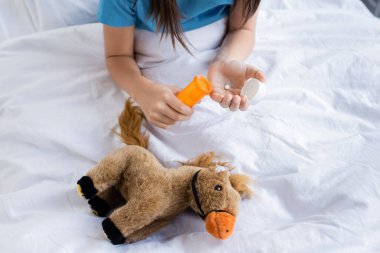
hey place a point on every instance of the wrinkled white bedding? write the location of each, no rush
(312, 144)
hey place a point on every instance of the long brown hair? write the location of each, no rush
(167, 16)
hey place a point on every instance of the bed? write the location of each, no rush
(312, 144)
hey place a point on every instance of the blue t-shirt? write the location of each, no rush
(196, 13)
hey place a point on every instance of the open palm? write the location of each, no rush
(234, 73)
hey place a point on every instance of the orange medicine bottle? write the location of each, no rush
(195, 91)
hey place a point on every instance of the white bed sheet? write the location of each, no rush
(22, 17)
(312, 145)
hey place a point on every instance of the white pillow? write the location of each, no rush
(19, 17)
(355, 5)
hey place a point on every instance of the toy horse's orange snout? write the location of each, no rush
(220, 224)
(195, 91)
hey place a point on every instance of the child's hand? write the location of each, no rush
(161, 107)
(234, 73)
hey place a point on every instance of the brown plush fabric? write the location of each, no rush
(155, 195)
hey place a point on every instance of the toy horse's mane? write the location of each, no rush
(208, 160)
(239, 182)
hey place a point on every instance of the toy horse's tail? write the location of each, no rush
(130, 121)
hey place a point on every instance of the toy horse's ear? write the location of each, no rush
(240, 183)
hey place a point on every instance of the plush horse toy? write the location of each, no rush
(142, 196)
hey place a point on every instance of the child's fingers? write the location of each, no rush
(159, 124)
(175, 89)
(165, 120)
(217, 97)
(244, 104)
(253, 72)
(162, 121)
(174, 115)
(226, 101)
(180, 107)
(235, 103)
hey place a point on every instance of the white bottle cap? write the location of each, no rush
(254, 90)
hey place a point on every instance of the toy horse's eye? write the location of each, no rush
(218, 188)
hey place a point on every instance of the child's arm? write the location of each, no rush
(228, 67)
(158, 102)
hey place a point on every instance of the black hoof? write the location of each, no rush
(86, 187)
(112, 232)
(99, 206)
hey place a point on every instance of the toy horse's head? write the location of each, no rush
(216, 196)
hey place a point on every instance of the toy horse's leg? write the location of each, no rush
(102, 203)
(104, 175)
(148, 230)
(134, 215)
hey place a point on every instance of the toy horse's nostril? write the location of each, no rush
(220, 224)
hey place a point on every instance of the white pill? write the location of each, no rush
(254, 90)
(227, 86)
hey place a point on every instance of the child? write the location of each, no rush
(172, 18)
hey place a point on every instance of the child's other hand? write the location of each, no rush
(234, 73)
(161, 107)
